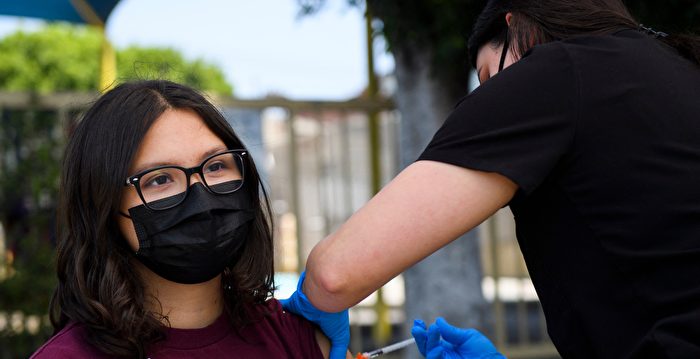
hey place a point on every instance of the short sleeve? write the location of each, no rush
(68, 343)
(297, 334)
(520, 123)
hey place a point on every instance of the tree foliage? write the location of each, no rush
(54, 59)
(30, 142)
(440, 27)
(66, 58)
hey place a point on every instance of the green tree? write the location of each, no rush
(62, 57)
(56, 58)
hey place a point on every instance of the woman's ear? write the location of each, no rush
(509, 17)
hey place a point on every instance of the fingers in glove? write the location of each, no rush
(452, 334)
(436, 353)
(338, 351)
(433, 338)
(420, 333)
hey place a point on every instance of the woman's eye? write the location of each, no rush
(215, 167)
(158, 180)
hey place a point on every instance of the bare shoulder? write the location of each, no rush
(325, 345)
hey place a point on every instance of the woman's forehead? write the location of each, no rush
(179, 137)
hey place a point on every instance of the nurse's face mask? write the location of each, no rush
(189, 233)
(504, 52)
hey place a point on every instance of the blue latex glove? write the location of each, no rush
(441, 340)
(336, 326)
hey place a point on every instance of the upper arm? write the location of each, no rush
(325, 345)
(424, 208)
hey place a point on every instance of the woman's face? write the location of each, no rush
(488, 59)
(178, 137)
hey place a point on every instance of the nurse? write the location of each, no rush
(587, 125)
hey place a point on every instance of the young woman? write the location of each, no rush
(165, 247)
(587, 125)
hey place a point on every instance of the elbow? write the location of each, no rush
(329, 282)
(327, 288)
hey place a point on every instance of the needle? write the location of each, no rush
(389, 348)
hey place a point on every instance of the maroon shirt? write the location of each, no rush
(277, 335)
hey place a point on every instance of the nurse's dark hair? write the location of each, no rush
(536, 22)
(98, 285)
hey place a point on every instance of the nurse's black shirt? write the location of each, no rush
(602, 136)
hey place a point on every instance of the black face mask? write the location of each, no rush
(504, 52)
(194, 241)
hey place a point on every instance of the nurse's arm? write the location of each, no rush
(424, 208)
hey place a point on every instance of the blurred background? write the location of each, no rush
(332, 98)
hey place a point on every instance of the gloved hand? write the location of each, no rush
(456, 343)
(335, 325)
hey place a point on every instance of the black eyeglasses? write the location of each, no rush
(165, 187)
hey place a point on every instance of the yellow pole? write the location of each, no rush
(382, 328)
(108, 58)
(108, 64)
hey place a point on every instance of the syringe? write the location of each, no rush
(387, 349)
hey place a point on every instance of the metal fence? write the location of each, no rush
(315, 159)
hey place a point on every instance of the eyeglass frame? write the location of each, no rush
(133, 180)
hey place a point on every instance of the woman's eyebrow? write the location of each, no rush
(149, 165)
(213, 151)
(154, 164)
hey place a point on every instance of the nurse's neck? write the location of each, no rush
(187, 306)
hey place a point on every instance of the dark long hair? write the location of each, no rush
(539, 21)
(98, 286)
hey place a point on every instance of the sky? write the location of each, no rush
(263, 46)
